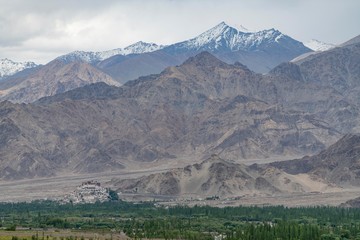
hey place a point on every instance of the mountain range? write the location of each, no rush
(332, 169)
(95, 57)
(259, 51)
(330, 96)
(222, 40)
(102, 128)
(202, 107)
(83, 117)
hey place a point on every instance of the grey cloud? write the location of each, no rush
(23, 20)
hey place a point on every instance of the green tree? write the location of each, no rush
(113, 195)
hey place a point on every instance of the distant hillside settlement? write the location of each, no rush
(89, 192)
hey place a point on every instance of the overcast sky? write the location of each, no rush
(40, 30)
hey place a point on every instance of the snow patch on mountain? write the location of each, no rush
(141, 47)
(9, 67)
(93, 57)
(317, 45)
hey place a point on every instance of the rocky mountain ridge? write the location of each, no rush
(9, 67)
(50, 79)
(223, 36)
(205, 106)
(259, 51)
(352, 41)
(95, 57)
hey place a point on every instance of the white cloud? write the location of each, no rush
(41, 30)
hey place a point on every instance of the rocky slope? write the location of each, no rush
(339, 164)
(202, 107)
(352, 41)
(325, 84)
(334, 168)
(218, 177)
(50, 79)
(337, 68)
(216, 93)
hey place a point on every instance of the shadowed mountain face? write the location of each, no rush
(325, 84)
(202, 107)
(338, 68)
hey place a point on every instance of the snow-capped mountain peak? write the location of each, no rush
(9, 67)
(317, 45)
(215, 33)
(89, 57)
(141, 47)
(93, 57)
(218, 28)
(223, 36)
(215, 37)
(136, 48)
